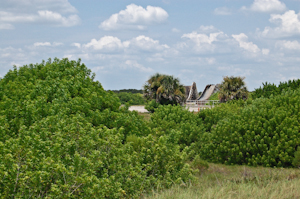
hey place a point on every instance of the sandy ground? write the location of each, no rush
(141, 109)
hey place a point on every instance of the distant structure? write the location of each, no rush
(191, 92)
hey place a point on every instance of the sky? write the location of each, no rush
(124, 42)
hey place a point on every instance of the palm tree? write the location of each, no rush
(165, 89)
(233, 88)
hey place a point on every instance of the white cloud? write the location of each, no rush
(106, 44)
(145, 43)
(288, 25)
(58, 19)
(42, 16)
(268, 6)
(207, 29)
(202, 38)
(265, 51)
(135, 17)
(12, 17)
(17, 6)
(6, 26)
(175, 30)
(37, 11)
(138, 44)
(289, 45)
(38, 44)
(242, 39)
(135, 64)
(222, 11)
(78, 45)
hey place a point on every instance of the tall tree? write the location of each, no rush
(233, 88)
(165, 89)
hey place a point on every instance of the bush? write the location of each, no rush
(133, 99)
(265, 132)
(211, 117)
(199, 164)
(269, 89)
(181, 126)
(296, 160)
(151, 106)
(63, 136)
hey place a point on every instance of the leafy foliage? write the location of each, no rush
(232, 88)
(211, 117)
(265, 132)
(164, 89)
(133, 99)
(296, 160)
(134, 91)
(269, 89)
(151, 106)
(63, 136)
(182, 126)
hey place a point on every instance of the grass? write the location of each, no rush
(146, 116)
(221, 181)
(214, 96)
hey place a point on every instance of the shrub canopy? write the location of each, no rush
(63, 136)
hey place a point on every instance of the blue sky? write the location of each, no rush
(125, 42)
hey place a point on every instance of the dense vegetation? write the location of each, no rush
(264, 132)
(63, 136)
(134, 91)
(163, 89)
(132, 98)
(232, 88)
(269, 89)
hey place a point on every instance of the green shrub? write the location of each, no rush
(269, 89)
(151, 106)
(133, 99)
(296, 160)
(265, 132)
(63, 136)
(199, 164)
(181, 126)
(211, 117)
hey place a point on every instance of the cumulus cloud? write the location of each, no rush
(34, 11)
(39, 44)
(267, 6)
(265, 51)
(78, 45)
(36, 44)
(114, 44)
(135, 17)
(134, 64)
(145, 43)
(242, 39)
(43, 16)
(288, 24)
(106, 43)
(222, 11)
(17, 6)
(58, 19)
(175, 30)
(6, 26)
(202, 38)
(289, 45)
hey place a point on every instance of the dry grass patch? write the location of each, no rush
(221, 181)
(147, 116)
